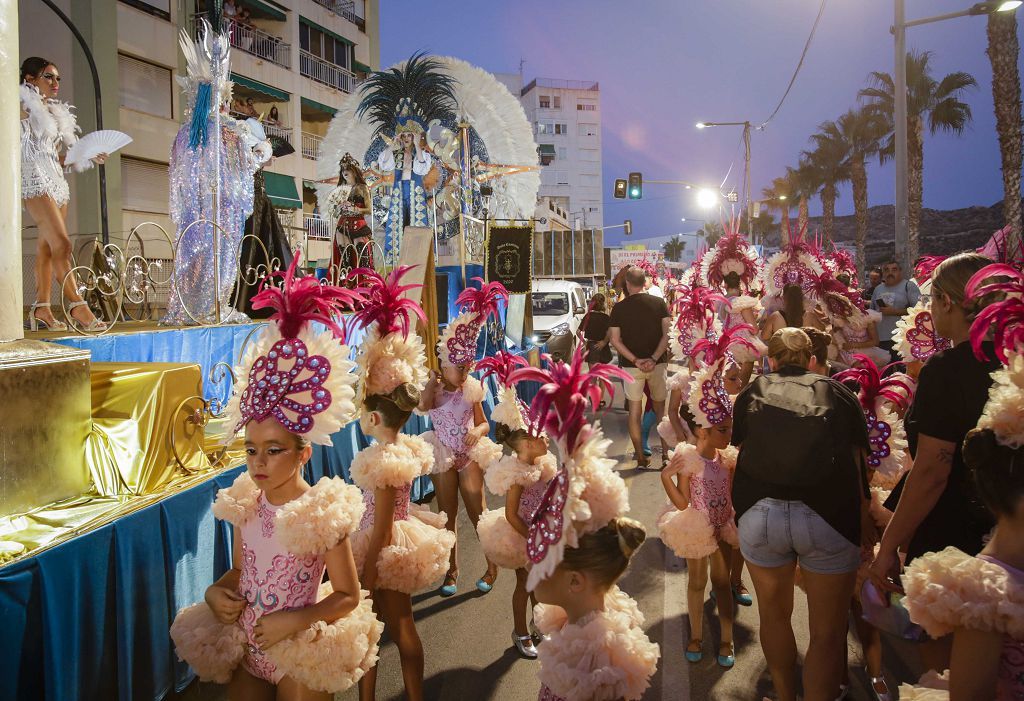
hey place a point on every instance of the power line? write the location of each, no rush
(799, 65)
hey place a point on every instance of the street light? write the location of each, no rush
(706, 198)
(746, 162)
(899, 32)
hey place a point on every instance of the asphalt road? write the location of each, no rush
(467, 640)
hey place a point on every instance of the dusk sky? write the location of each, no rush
(664, 65)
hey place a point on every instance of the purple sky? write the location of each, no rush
(677, 62)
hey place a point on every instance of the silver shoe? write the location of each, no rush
(538, 637)
(880, 695)
(524, 644)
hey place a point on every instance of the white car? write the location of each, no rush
(558, 310)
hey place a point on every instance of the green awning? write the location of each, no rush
(265, 10)
(309, 185)
(325, 30)
(262, 88)
(361, 67)
(281, 190)
(546, 149)
(318, 106)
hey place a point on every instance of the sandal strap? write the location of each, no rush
(76, 305)
(40, 305)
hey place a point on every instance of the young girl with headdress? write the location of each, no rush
(579, 545)
(522, 479)
(980, 599)
(454, 401)
(853, 326)
(699, 523)
(268, 625)
(348, 205)
(400, 547)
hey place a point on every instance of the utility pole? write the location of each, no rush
(899, 30)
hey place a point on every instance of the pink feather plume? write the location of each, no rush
(711, 351)
(872, 385)
(1004, 319)
(926, 265)
(385, 302)
(482, 301)
(501, 365)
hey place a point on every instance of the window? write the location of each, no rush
(556, 102)
(587, 130)
(545, 102)
(593, 209)
(145, 87)
(160, 8)
(550, 303)
(561, 177)
(545, 128)
(563, 154)
(586, 107)
(590, 154)
(144, 186)
(561, 128)
(325, 46)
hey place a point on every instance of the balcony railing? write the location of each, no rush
(317, 227)
(279, 131)
(352, 10)
(324, 72)
(257, 42)
(311, 144)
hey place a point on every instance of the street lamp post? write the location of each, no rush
(899, 32)
(746, 160)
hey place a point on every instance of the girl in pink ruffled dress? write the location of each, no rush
(579, 545)
(522, 478)
(269, 627)
(980, 600)
(699, 523)
(400, 547)
(454, 401)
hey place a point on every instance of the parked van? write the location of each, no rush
(558, 309)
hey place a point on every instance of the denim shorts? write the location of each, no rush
(774, 533)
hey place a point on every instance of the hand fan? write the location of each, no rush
(93, 144)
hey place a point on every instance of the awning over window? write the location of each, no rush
(282, 191)
(262, 88)
(361, 67)
(265, 10)
(326, 31)
(546, 149)
(319, 106)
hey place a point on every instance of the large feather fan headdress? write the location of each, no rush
(408, 97)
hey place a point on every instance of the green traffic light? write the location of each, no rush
(635, 192)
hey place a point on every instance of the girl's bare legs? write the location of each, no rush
(50, 220)
(720, 583)
(871, 644)
(520, 597)
(290, 690)
(736, 572)
(446, 486)
(696, 584)
(395, 609)
(471, 487)
(245, 687)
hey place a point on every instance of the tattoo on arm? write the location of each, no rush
(946, 456)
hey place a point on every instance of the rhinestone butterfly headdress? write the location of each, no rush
(708, 400)
(509, 410)
(795, 264)
(844, 306)
(914, 337)
(299, 377)
(457, 345)
(1004, 321)
(560, 408)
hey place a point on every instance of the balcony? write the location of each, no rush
(351, 10)
(255, 42)
(311, 144)
(278, 131)
(317, 227)
(324, 72)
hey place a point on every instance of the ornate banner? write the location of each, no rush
(510, 257)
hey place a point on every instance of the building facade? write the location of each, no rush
(299, 58)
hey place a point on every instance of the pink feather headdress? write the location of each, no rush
(926, 265)
(843, 305)
(731, 253)
(880, 397)
(840, 261)
(696, 317)
(391, 353)
(585, 493)
(796, 263)
(1004, 320)
(509, 410)
(457, 345)
(708, 400)
(300, 378)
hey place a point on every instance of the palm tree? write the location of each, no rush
(1002, 53)
(711, 232)
(804, 182)
(674, 248)
(828, 161)
(777, 196)
(860, 132)
(938, 102)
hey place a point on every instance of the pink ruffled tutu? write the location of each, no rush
(688, 533)
(418, 553)
(502, 544)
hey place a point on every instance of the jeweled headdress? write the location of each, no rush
(795, 264)
(1004, 321)
(708, 400)
(880, 398)
(457, 345)
(732, 253)
(843, 305)
(914, 337)
(300, 377)
(391, 353)
(407, 98)
(586, 493)
(509, 410)
(696, 317)
(206, 83)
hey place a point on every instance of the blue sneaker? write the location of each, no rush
(727, 661)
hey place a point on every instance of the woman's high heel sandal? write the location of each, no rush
(34, 321)
(524, 644)
(94, 325)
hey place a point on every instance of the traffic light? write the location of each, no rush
(636, 186)
(628, 226)
(620, 189)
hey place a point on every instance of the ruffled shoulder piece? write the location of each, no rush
(394, 465)
(728, 457)
(680, 381)
(548, 465)
(745, 302)
(603, 656)
(48, 119)
(321, 518)
(950, 589)
(237, 504)
(473, 390)
(508, 472)
(692, 461)
(550, 618)
(485, 452)
(604, 491)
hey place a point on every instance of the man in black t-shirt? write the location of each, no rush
(639, 332)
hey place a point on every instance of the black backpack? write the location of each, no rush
(790, 435)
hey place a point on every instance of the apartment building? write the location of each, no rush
(301, 57)
(566, 119)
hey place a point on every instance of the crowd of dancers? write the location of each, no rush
(319, 571)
